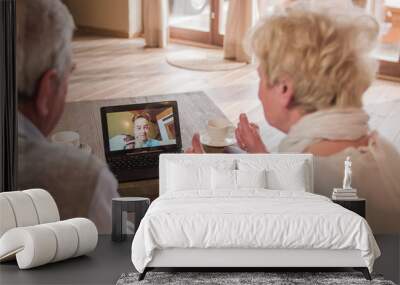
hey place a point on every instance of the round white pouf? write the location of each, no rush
(33, 246)
(46, 207)
(67, 240)
(6, 215)
(23, 208)
(37, 245)
(87, 233)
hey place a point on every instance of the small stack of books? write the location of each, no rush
(344, 194)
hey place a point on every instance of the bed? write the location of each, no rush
(247, 211)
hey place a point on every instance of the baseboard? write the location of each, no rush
(388, 78)
(389, 70)
(108, 32)
(194, 44)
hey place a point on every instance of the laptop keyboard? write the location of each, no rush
(147, 160)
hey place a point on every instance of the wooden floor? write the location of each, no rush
(116, 68)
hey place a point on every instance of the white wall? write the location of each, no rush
(120, 16)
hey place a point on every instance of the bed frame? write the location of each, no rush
(245, 259)
(256, 259)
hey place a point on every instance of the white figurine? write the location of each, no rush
(347, 174)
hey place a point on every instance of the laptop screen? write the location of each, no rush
(141, 127)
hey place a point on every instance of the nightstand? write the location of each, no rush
(356, 205)
(120, 207)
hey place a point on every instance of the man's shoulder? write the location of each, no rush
(60, 156)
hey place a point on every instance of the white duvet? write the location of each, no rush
(250, 219)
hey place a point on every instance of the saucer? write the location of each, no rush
(206, 140)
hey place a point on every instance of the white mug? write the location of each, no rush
(218, 129)
(66, 138)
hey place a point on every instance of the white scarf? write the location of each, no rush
(348, 124)
(333, 124)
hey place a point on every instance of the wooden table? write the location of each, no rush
(195, 109)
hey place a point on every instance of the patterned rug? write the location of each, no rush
(244, 278)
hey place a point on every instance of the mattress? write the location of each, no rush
(250, 219)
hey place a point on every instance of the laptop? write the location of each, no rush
(135, 136)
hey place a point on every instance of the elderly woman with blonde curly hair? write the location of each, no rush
(314, 67)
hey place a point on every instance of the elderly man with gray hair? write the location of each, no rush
(80, 183)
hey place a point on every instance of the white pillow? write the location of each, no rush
(288, 176)
(285, 174)
(227, 179)
(251, 178)
(223, 179)
(182, 177)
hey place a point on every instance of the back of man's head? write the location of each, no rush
(44, 33)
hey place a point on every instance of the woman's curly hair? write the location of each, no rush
(326, 52)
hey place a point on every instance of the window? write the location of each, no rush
(198, 20)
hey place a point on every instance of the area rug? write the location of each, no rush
(208, 60)
(244, 278)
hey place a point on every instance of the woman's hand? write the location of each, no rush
(196, 145)
(248, 136)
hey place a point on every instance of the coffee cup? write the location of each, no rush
(67, 138)
(218, 130)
